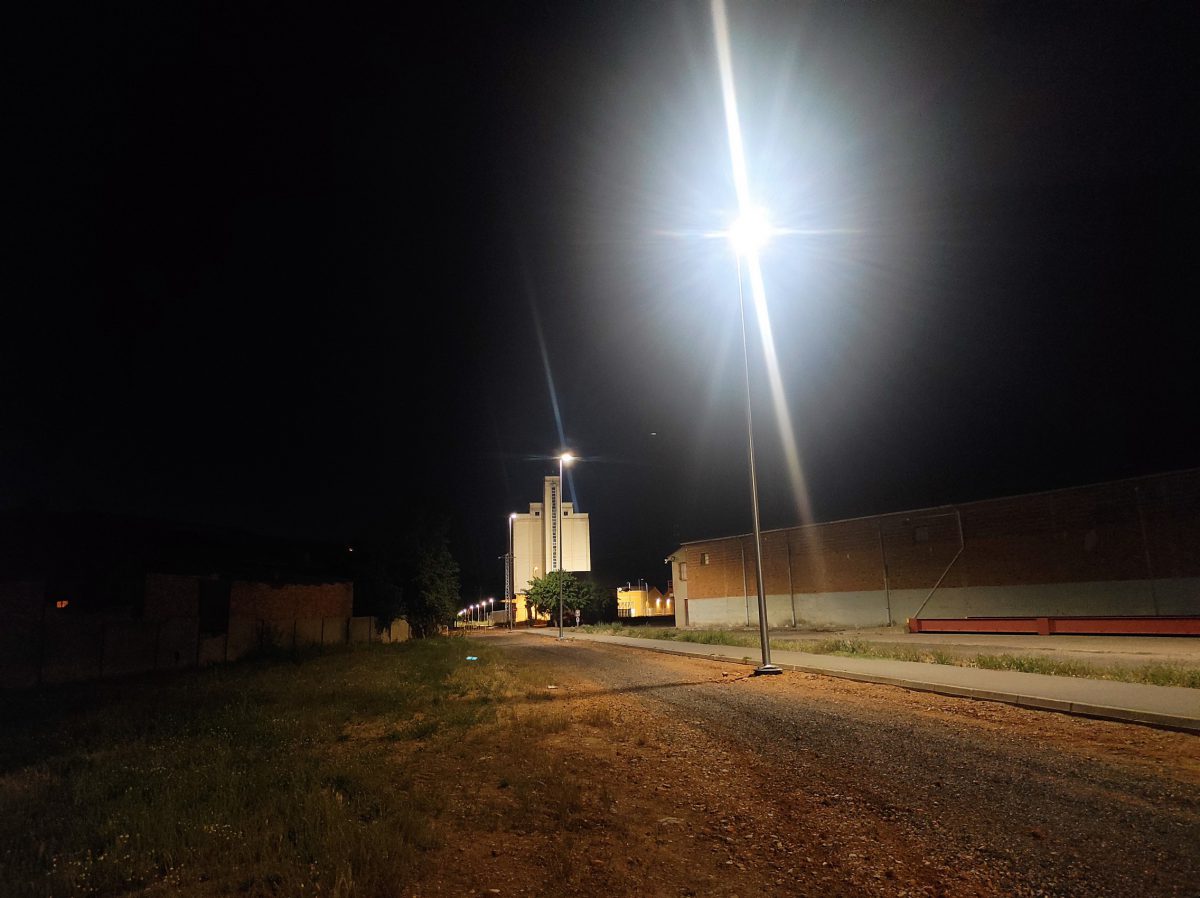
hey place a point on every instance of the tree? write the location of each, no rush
(432, 597)
(408, 573)
(582, 594)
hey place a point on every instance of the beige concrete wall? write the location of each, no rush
(397, 631)
(335, 630)
(308, 631)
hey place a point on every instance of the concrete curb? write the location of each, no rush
(1015, 696)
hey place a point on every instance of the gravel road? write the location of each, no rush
(821, 786)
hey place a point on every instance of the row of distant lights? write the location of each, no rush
(476, 607)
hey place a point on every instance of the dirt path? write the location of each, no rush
(654, 775)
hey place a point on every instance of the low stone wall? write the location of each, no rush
(247, 635)
(67, 648)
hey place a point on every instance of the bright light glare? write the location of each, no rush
(747, 235)
(566, 458)
(750, 232)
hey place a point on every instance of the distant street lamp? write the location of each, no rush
(565, 458)
(491, 604)
(510, 593)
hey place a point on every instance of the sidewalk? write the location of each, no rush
(1129, 651)
(1169, 706)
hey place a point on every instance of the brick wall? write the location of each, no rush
(1143, 529)
(262, 601)
(40, 645)
(169, 596)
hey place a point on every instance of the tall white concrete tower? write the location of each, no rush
(538, 544)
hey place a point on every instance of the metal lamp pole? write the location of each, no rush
(565, 457)
(510, 593)
(767, 667)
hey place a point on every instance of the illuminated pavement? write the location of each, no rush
(1117, 650)
(1171, 706)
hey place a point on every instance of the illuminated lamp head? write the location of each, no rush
(750, 232)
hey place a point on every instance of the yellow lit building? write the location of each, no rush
(642, 601)
(551, 536)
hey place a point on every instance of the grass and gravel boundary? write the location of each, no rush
(1157, 674)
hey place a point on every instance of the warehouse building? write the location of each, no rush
(1130, 547)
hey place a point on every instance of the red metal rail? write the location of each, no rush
(1075, 626)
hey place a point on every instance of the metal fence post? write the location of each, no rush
(887, 590)
(1137, 499)
(787, 546)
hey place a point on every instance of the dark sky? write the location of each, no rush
(299, 269)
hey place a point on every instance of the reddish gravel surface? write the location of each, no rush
(654, 775)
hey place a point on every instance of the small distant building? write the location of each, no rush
(643, 601)
(540, 545)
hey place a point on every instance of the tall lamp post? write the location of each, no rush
(510, 593)
(565, 458)
(748, 234)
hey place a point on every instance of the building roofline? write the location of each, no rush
(947, 507)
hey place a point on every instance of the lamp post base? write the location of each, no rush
(766, 669)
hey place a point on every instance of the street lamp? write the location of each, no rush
(510, 597)
(565, 458)
(491, 604)
(748, 235)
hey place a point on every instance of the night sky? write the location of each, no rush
(302, 270)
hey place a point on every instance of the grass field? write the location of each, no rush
(1154, 674)
(282, 777)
